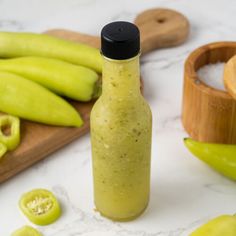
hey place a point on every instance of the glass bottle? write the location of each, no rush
(121, 125)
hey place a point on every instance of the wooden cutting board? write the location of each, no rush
(159, 28)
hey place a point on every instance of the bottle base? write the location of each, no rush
(123, 219)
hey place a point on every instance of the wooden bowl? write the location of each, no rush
(208, 114)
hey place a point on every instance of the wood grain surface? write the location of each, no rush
(209, 115)
(159, 28)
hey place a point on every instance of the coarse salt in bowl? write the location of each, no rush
(212, 75)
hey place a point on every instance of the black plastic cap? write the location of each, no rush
(120, 40)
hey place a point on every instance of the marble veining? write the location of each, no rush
(185, 192)
(13, 25)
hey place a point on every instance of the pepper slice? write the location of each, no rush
(40, 206)
(3, 150)
(26, 231)
(12, 125)
(224, 225)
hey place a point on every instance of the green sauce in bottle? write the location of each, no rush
(121, 125)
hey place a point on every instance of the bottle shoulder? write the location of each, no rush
(125, 112)
(112, 104)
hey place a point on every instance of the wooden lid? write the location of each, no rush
(230, 76)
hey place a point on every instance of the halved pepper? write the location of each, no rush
(3, 150)
(26, 231)
(224, 225)
(40, 206)
(12, 139)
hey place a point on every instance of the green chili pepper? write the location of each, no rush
(26, 231)
(3, 150)
(221, 157)
(63, 78)
(30, 44)
(11, 140)
(224, 225)
(29, 100)
(40, 206)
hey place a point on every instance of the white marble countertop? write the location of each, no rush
(185, 192)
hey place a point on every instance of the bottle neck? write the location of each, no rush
(121, 78)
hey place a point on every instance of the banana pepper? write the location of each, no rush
(63, 78)
(221, 157)
(14, 44)
(224, 225)
(31, 101)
